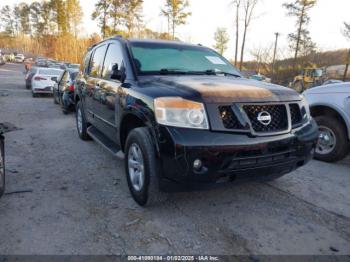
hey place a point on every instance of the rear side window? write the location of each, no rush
(96, 62)
(114, 56)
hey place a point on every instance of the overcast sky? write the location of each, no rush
(326, 22)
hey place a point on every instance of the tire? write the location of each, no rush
(148, 193)
(55, 98)
(82, 129)
(34, 95)
(337, 134)
(2, 167)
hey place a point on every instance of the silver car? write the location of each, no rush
(330, 106)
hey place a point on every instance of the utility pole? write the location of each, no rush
(274, 55)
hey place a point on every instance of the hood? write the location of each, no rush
(218, 89)
(329, 89)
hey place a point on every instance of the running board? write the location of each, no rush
(105, 142)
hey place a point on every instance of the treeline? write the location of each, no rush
(51, 27)
(43, 18)
(286, 69)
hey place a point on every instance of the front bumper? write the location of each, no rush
(229, 156)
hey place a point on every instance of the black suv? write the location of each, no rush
(186, 118)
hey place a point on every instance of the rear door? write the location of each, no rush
(92, 85)
(109, 89)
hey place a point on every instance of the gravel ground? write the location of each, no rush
(79, 202)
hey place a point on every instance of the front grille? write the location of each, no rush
(229, 119)
(278, 113)
(295, 114)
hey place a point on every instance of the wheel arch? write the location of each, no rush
(132, 119)
(326, 109)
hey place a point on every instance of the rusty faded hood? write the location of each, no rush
(219, 89)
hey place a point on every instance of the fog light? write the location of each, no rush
(197, 164)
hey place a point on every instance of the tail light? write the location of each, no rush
(39, 78)
(71, 88)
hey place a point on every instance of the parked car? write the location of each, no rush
(74, 67)
(185, 117)
(2, 60)
(19, 58)
(63, 90)
(4, 128)
(330, 106)
(260, 77)
(41, 62)
(29, 76)
(332, 81)
(44, 80)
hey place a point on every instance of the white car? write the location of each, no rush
(44, 79)
(19, 58)
(330, 106)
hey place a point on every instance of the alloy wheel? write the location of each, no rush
(136, 167)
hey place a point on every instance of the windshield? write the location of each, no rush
(74, 66)
(50, 72)
(156, 58)
(73, 75)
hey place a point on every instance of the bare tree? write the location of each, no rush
(237, 4)
(347, 35)
(248, 8)
(263, 57)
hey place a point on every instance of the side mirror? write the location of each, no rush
(54, 79)
(118, 73)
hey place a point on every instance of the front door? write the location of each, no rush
(110, 88)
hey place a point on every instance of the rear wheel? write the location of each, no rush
(81, 122)
(142, 168)
(55, 100)
(2, 167)
(333, 142)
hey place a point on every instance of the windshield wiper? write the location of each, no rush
(168, 71)
(218, 72)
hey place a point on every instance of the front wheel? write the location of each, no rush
(2, 167)
(142, 168)
(81, 122)
(333, 142)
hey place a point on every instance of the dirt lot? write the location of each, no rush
(79, 202)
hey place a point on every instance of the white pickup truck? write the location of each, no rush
(330, 106)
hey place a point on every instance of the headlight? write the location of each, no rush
(305, 110)
(179, 112)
